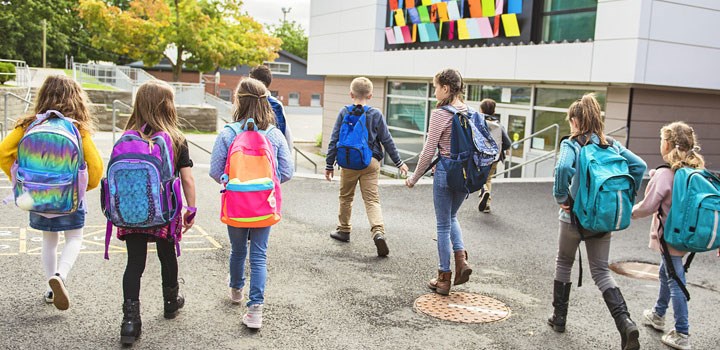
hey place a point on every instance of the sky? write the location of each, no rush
(270, 11)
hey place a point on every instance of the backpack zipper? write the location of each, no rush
(620, 209)
(714, 231)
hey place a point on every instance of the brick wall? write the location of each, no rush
(283, 86)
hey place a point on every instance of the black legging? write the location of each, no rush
(137, 256)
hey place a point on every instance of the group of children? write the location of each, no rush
(255, 110)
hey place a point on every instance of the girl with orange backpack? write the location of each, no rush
(250, 159)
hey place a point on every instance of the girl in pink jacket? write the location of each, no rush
(679, 148)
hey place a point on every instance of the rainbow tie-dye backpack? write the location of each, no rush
(252, 197)
(50, 176)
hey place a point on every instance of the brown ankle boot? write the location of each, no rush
(441, 284)
(462, 268)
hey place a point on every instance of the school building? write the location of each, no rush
(649, 62)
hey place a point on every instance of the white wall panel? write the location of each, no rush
(618, 19)
(685, 66)
(615, 61)
(555, 62)
(685, 24)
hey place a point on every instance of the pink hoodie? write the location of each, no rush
(658, 193)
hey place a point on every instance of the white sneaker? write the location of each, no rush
(48, 296)
(676, 340)
(236, 295)
(253, 317)
(653, 320)
(61, 300)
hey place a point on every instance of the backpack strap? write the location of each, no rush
(668, 259)
(236, 127)
(108, 236)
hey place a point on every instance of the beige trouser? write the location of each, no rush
(368, 179)
(488, 183)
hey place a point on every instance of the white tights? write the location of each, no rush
(73, 242)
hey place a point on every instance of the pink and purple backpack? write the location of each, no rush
(252, 196)
(50, 176)
(141, 189)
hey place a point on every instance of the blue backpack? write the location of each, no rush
(472, 151)
(277, 108)
(353, 148)
(606, 191)
(692, 224)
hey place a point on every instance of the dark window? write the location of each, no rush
(568, 20)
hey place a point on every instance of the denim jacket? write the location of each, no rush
(565, 173)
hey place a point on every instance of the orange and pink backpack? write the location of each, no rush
(251, 198)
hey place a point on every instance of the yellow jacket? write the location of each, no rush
(9, 146)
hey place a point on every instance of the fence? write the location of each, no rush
(129, 79)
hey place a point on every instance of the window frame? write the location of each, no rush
(276, 72)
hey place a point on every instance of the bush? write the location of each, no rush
(318, 140)
(7, 72)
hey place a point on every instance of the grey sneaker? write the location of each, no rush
(236, 295)
(653, 320)
(253, 317)
(61, 300)
(676, 340)
(48, 296)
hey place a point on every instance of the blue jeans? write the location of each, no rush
(669, 289)
(447, 203)
(258, 260)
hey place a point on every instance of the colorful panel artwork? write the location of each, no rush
(510, 24)
(515, 6)
(390, 35)
(488, 8)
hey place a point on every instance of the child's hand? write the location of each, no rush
(651, 173)
(718, 252)
(188, 220)
(404, 170)
(329, 174)
(408, 183)
(565, 207)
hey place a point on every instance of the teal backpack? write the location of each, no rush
(692, 224)
(606, 191)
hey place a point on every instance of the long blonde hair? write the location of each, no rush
(453, 80)
(251, 102)
(684, 147)
(155, 107)
(64, 95)
(587, 114)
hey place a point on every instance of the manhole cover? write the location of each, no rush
(639, 270)
(462, 307)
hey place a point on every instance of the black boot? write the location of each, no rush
(618, 309)
(561, 296)
(173, 301)
(131, 324)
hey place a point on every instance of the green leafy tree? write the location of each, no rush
(293, 37)
(194, 34)
(21, 27)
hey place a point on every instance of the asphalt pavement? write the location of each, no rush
(323, 294)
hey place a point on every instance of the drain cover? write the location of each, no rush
(638, 270)
(462, 307)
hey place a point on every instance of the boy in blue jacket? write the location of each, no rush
(378, 137)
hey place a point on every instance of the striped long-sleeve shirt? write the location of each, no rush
(438, 138)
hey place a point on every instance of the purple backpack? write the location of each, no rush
(141, 190)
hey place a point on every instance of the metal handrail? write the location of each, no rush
(304, 156)
(5, 119)
(534, 160)
(115, 103)
(537, 160)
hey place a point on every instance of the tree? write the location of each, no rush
(194, 34)
(293, 37)
(21, 28)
